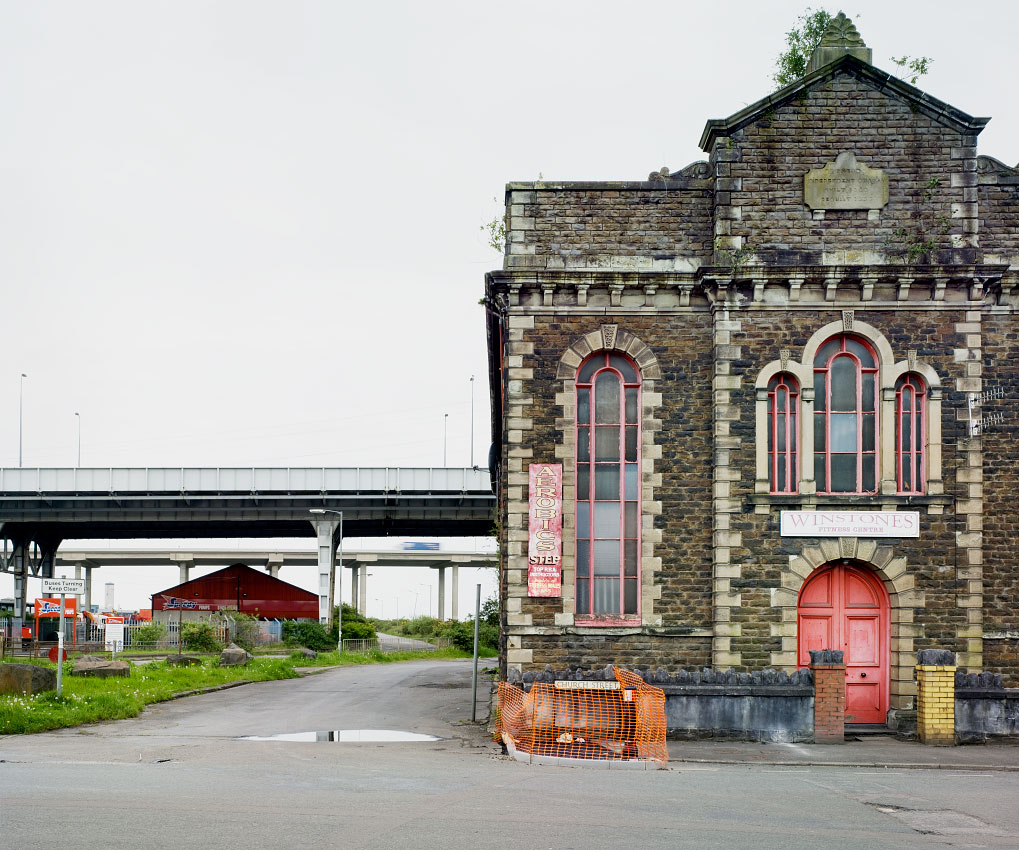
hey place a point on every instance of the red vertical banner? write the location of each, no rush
(545, 529)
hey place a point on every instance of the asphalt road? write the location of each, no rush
(179, 776)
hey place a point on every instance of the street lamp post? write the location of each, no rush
(21, 407)
(332, 579)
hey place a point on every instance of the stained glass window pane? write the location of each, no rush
(625, 368)
(843, 473)
(584, 444)
(606, 443)
(631, 405)
(606, 481)
(868, 473)
(630, 558)
(867, 390)
(606, 399)
(606, 596)
(583, 558)
(843, 384)
(583, 482)
(631, 486)
(905, 435)
(868, 432)
(630, 519)
(826, 351)
(820, 396)
(907, 472)
(583, 406)
(606, 519)
(631, 443)
(583, 520)
(606, 557)
(843, 432)
(583, 593)
(820, 476)
(589, 368)
(820, 434)
(630, 590)
(860, 350)
(780, 431)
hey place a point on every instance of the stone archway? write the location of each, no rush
(903, 598)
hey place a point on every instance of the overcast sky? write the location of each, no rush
(248, 233)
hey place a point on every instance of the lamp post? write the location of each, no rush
(21, 407)
(78, 416)
(332, 578)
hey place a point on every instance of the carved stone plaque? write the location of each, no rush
(845, 184)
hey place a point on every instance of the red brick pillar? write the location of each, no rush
(829, 671)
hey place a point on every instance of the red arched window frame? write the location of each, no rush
(783, 433)
(910, 421)
(846, 416)
(608, 489)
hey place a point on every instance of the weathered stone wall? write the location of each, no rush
(610, 225)
(1000, 486)
(681, 344)
(999, 210)
(760, 170)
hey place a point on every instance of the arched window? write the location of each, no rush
(608, 487)
(783, 426)
(845, 416)
(910, 394)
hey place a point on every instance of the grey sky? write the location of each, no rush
(247, 233)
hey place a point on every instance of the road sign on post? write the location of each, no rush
(60, 586)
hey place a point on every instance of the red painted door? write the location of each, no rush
(845, 607)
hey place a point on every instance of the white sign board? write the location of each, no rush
(56, 586)
(850, 523)
(114, 633)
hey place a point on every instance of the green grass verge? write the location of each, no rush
(88, 700)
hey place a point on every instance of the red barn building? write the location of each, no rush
(235, 588)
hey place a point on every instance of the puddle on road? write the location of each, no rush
(346, 736)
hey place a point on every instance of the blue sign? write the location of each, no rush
(420, 546)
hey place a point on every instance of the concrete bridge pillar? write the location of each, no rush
(362, 595)
(456, 591)
(441, 613)
(86, 568)
(328, 531)
(273, 564)
(355, 579)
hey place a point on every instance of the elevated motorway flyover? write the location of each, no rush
(40, 508)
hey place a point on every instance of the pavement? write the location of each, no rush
(879, 751)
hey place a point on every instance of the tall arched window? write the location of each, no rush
(783, 425)
(608, 487)
(910, 394)
(845, 416)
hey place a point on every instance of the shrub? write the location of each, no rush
(358, 630)
(149, 633)
(309, 634)
(423, 627)
(200, 637)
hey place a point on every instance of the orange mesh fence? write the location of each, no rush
(619, 720)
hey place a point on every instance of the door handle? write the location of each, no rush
(863, 675)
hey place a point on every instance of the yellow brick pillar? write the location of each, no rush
(935, 701)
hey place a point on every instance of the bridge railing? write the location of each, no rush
(243, 480)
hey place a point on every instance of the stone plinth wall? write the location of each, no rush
(935, 704)
(984, 708)
(766, 705)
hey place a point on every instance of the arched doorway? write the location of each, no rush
(845, 606)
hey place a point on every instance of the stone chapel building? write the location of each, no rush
(767, 403)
